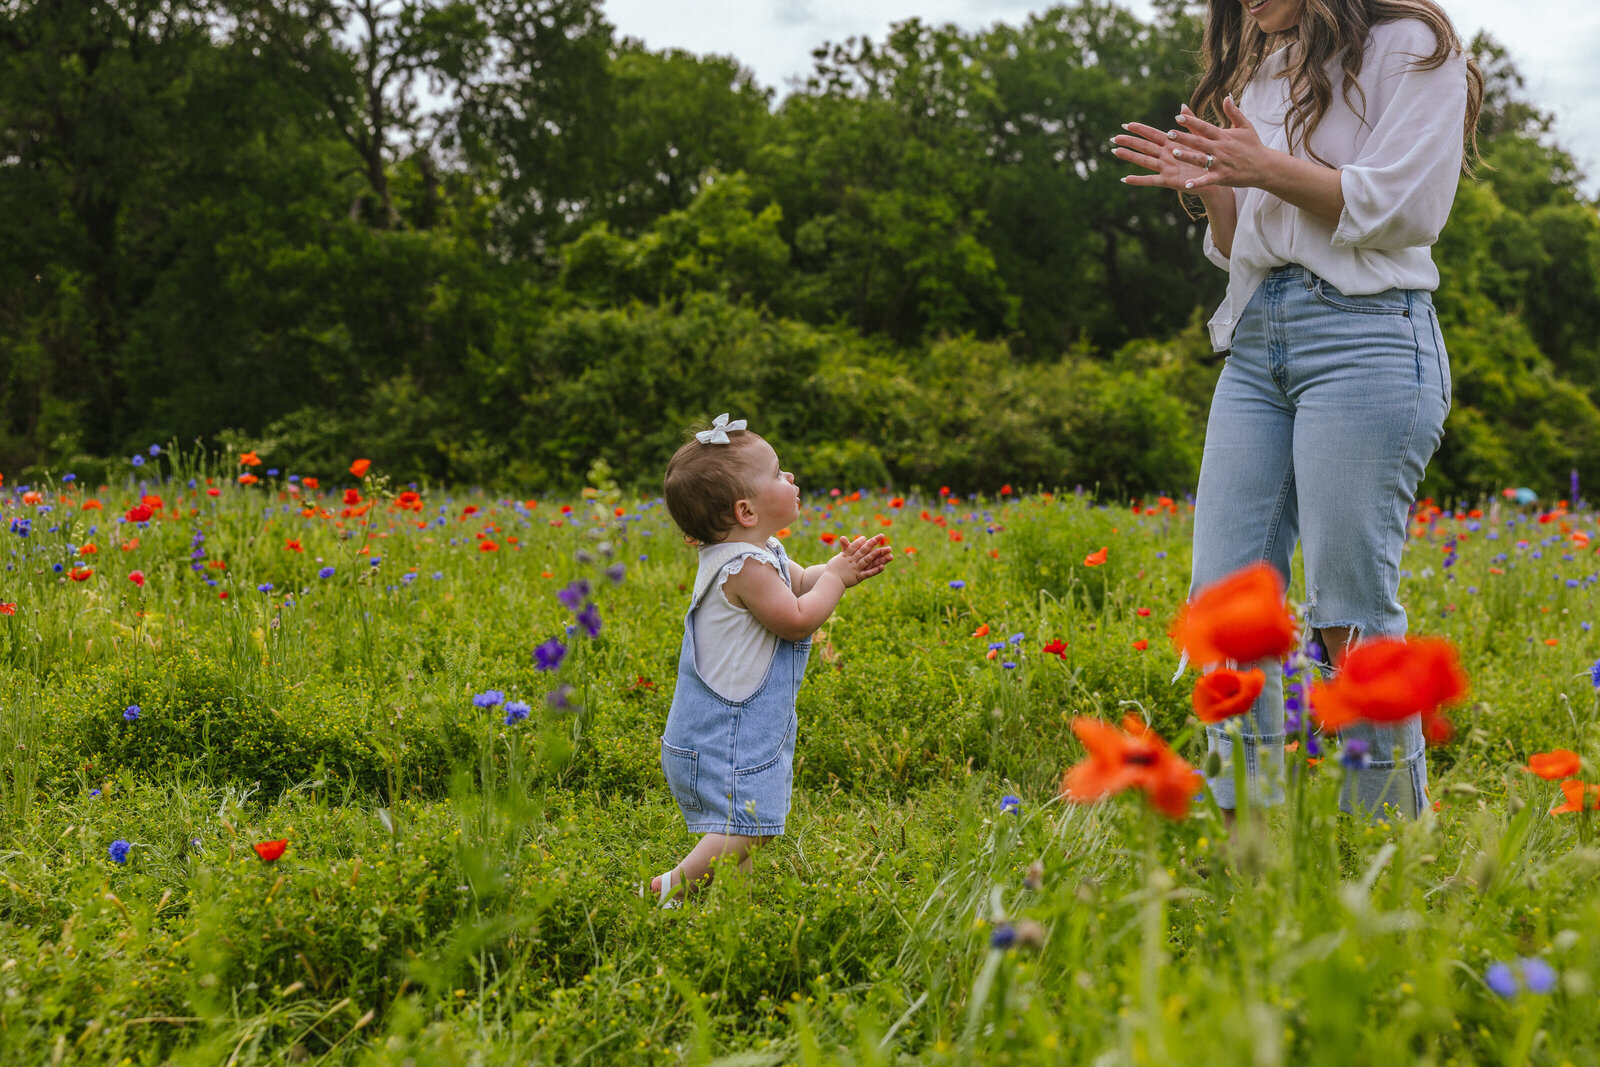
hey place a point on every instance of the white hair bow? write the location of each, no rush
(718, 434)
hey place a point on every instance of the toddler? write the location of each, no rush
(728, 746)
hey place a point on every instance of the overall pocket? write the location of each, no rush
(762, 741)
(682, 768)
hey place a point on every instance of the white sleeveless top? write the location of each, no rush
(732, 651)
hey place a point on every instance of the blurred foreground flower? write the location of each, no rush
(1530, 973)
(1224, 693)
(1580, 797)
(1557, 763)
(1391, 679)
(1241, 618)
(1133, 757)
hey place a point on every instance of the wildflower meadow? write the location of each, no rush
(313, 766)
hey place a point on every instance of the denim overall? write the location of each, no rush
(730, 764)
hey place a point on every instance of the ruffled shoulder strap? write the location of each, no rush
(722, 561)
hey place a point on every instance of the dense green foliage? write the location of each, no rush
(482, 241)
(460, 890)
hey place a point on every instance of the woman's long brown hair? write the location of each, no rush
(1234, 48)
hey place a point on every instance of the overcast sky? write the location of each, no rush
(1554, 43)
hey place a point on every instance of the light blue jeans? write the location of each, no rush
(1326, 414)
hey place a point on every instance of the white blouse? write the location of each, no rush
(1398, 169)
(732, 651)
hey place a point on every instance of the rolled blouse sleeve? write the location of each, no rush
(1213, 253)
(1398, 190)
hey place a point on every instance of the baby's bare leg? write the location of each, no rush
(695, 870)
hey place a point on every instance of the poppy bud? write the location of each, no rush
(1213, 764)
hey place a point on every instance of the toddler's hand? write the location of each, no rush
(860, 559)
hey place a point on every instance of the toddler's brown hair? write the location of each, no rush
(704, 481)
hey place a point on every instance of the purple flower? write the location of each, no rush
(264, 587)
(1594, 671)
(1537, 975)
(559, 697)
(130, 713)
(616, 572)
(1500, 979)
(488, 698)
(1004, 936)
(1354, 755)
(573, 596)
(326, 572)
(589, 619)
(119, 851)
(1010, 805)
(548, 656)
(958, 584)
(516, 711)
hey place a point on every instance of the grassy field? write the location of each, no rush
(319, 664)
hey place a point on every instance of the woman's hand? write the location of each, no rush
(1196, 158)
(1150, 148)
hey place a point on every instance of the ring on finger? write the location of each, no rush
(1210, 160)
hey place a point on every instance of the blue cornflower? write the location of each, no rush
(264, 587)
(69, 477)
(1015, 639)
(589, 619)
(1004, 936)
(58, 568)
(130, 713)
(272, 472)
(326, 572)
(155, 450)
(1010, 805)
(1008, 665)
(488, 698)
(957, 583)
(558, 698)
(408, 577)
(1594, 671)
(94, 793)
(436, 575)
(119, 851)
(1537, 975)
(138, 461)
(1161, 555)
(1355, 755)
(573, 596)
(376, 560)
(616, 572)
(22, 527)
(516, 711)
(548, 656)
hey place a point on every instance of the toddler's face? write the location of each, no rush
(772, 489)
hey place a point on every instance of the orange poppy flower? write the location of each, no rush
(1558, 763)
(92, 505)
(1240, 618)
(1094, 559)
(1223, 693)
(829, 538)
(1576, 793)
(981, 631)
(250, 459)
(1133, 757)
(1391, 679)
(309, 483)
(8, 608)
(360, 467)
(352, 497)
(248, 479)
(488, 546)
(292, 546)
(1140, 645)
(80, 574)
(271, 850)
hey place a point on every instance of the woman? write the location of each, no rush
(1323, 186)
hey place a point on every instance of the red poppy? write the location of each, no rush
(1140, 645)
(250, 459)
(80, 574)
(138, 513)
(360, 467)
(410, 501)
(829, 538)
(1223, 693)
(271, 850)
(898, 502)
(292, 546)
(213, 491)
(488, 546)
(1094, 559)
(1057, 647)
(1241, 618)
(1391, 679)
(92, 505)
(1131, 758)
(1558, 763)
(248, 479)
(309, 483)
(1143, 613)
(8, 608)
(981, 631)
(137, 578)
(88, 549)
(1575, 793)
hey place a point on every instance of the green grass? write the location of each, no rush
(460, 891)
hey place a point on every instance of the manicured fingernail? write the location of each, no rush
(1172, 135)
(1188, 185)
(1125, 126)
(1177, 153)
(1124, 181)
